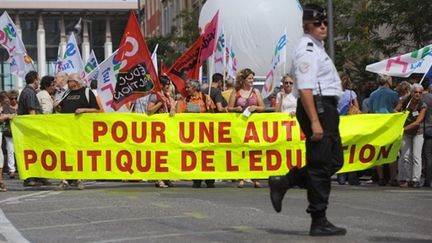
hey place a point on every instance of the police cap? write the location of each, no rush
(313, 12)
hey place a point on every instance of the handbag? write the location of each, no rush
(6, 129)
(353, 110)
(427, 131)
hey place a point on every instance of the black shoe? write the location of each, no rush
(278, 188)
(416, 184)
(382, 182)
(394, 183)
(325, 228)
(196, 184)
(44, 182)
(210, 185)
(32, 183)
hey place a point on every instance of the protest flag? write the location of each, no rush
(404, 65)
(429, 74)
(72, 61)
(232, 62)
(90, 66)
(137, 74)
(186, 67)
(220, 53)
(58, 63)
(20, 62)
(154, 58)
(209, 38)
(278, 58)
(91, 62)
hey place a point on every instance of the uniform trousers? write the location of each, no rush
(323, 158)
(427, 151)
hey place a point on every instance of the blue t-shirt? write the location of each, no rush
(383, 100)
(345, 101)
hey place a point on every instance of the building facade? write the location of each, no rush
(46, 25)
(162, 16)
(98, 25)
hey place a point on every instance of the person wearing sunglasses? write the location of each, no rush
(410, 159)
(319, 86)
(286, 102)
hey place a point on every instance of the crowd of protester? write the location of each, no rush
(68, 94)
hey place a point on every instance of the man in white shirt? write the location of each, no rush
(318, 86)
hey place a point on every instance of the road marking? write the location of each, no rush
(164, 236)
(14, 199)
(9, 231)
(381, 211)
(100, 222)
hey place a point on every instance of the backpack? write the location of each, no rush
(204, 99)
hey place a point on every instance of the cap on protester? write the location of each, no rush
(313, 12)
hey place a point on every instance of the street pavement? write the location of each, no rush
(139, 212)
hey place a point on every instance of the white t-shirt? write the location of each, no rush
(289, 102)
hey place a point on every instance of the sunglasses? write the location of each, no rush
(417, 92)
(318, 23)
(290, 83)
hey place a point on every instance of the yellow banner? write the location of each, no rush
(188, 146)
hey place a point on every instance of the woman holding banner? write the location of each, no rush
(4, 99)
(410, 160)
(247, 99)
(196, 102)
(78, 100)
(162, 103)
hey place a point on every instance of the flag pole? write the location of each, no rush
(421, 81)
(285, 55)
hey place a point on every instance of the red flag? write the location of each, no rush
(186, 67)
(209, 37)
(137, 74)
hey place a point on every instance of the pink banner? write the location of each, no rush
(209, 38)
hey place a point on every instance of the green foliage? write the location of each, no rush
(176, 43)
(367, 31)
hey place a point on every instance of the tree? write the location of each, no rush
(177, 42)
(367, 31)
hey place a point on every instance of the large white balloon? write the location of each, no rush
(255, 26)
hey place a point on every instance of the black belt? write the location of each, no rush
(332, 100)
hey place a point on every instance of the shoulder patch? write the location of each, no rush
(309, 47)
(304, 67)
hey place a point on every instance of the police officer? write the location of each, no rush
(318, 86)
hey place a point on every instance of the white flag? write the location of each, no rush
(107, 80)
(72, 61)
(232, 62)
(220, 53)
(20, 62)
(417, 61)
(58, 63)
(91, 63)
(91, 68)
(154, 58)
(278, 58)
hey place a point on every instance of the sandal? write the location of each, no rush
(2, 187)
(169, 183)
(160, 184)
(241, 184)
(257, 185)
